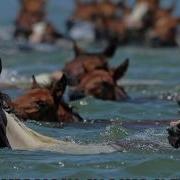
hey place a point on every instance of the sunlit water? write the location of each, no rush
(152, 73)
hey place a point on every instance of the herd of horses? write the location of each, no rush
(88, 73)
(144, 23)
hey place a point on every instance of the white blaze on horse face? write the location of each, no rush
(21, 137)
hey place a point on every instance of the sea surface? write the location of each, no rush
(146, 154)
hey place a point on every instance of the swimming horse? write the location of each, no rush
(16, 136)
(45, 103)
(32, 25)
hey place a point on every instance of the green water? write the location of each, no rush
(159, 68)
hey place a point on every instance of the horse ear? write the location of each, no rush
(120, 71)
(77, 50)
(58, 88)
(0, 65)
(34, 83)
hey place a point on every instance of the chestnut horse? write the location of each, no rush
(45, 104)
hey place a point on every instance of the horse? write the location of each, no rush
(31, 23)
(164, 31)
(102, 84)
(31, 12)
(85, 62)
(45, 104)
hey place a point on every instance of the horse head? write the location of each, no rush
(45, 104)
(102, 84)
(85, 62)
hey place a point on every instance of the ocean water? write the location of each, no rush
(146, 153)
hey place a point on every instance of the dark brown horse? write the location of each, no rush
(45, 104)
(31, 12)
(31, 23)
(85, 62)
(102, 84)
(164, 30)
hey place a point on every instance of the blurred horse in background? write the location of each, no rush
(164, 30)
(31, 23)
(146, 22)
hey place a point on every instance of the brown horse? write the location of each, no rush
(114, 27)
(45, 104)
(31, 23)
(102, 84)
(85, 62)
(164, 30)
(31, 12)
